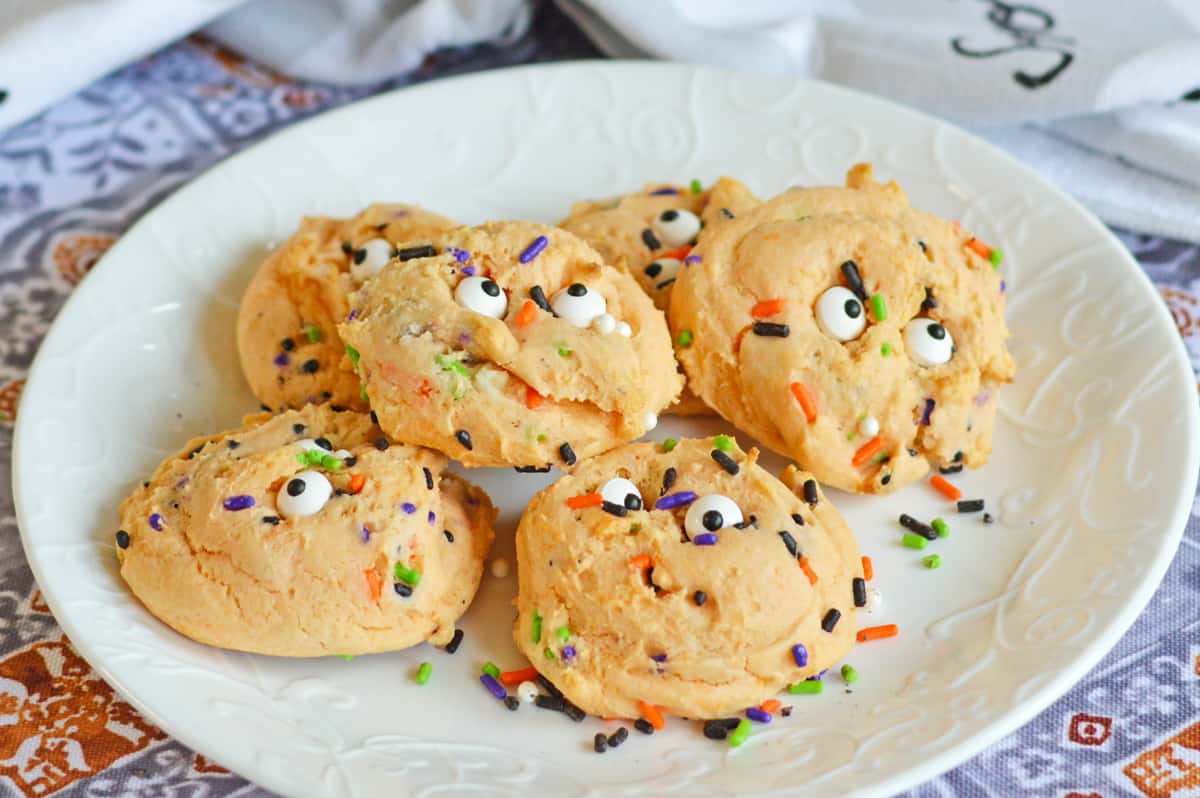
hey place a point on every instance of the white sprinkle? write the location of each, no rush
(869, 427)
(604, 323)
(624, 329)
(499, 567)
(527, 692)
(650, 421)
(874, 600)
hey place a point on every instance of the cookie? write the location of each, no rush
(691, 580)
(286, 332)
(305, 534)
(861, 337)
(511, 344)
(650, 234)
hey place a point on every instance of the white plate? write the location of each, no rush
(1094, 465)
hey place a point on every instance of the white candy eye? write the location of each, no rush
(677, 227)
(304, 494)
(711, 513)
(578, 304)
(840, 314)
(370, 258)
(481, 295)
(320, 444)
(663, 271)
(927, 342)
(622, 492)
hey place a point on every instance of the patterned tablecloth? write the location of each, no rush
(74, 179)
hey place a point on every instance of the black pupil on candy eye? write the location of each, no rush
(713, 520)
(324, 444)
(853, 308)
(577, 289)
(295, 487)
(490, 288)
(936, 331)
(632, 502)
(669, 216)
(654, 269)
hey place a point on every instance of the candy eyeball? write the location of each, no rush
(663, 271)
(304, 494)
(370, 258)
(481, 295)
(840, 314)
(317, 444)
(928, 342)
(622, 492)
(711, 513)
(578, 305)
(677, 226)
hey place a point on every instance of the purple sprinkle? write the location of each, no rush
(754, 713)
(982, 398)
(568, 653)
(353, 315)
(534, 249)
(464, 338)
(1003, 286)
(156, 522)
(800, 654)
(658, 192)
(366, 533)
(281, 359)
(690, 259)
(468, 270)
(399, 214)
(705, 539)
(431, 517)
(238, 502)
(816, 678)
(182, 481)
(673, 500)
(929, 403)
(659, 658)
(460, 255)
(497, 689)
(822, 673)
(409, 507)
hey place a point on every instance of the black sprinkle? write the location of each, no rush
(725, 461)
(958, 456)
(970, 505)
(770, 329)
(326, 395)
(423, 251)
(715, 732)
(512, 702)
(854, 279)
(643, 725)
(599, 743)
(266, 408)
(954, 469)
(288, 344)
(612, 508)
(311, 365)
(374, 418)
(550, 702)
(338, 408)
(786, 712)
(858, 587)
(196, 451)
(885, 479)
(455, 642)
(539, 298)
(749, 522)
(298, 429)
(799, 519)
(921, 244)
(929, 303)
(122, 538)
(726, 213)
(788, 541)
(402, 589)
(382, 444)
(618, 737)
(350, 461)
(651, 240)
(810, 491)
(449, 535)
(987, 518)
(464, 437)
(699, 597)
(324, 444)
(146, 484)
(913, 525)
(669, 479)
(573, 712)
(567, 453)
(729, 723)
(549, 687)
(339, 492)
(531, 469)
(650, 580)
(270, 519)
(347, 247)
(830, 621)
(912, 452)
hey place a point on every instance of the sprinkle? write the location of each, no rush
(412, 253)
(807, 687)
(673, 500)
(771, 330)
(122, 538)
(469, 271)
(539, 298)
(945, 488)
(408, 507)
(585, 500)
(554, 703)
(768, 307)
(512, 703)
(800, 655)
(933, 561)
(382, 445)
(365, 534)
(913, 541)
(563, 350)
(663, 191)
(431, 516)
(831, 620)
(854, 279)
(612, 508)
(807, 403)
(600, 743)
(970, 505)
(618, 737)
(858, 586)
(281, 359)
(526, 315)
(490, 667)
(684, 339)
(641, 562)
(978, 247)
(726, 213)
(643, 725)
(451, 364)
(987, 518)
(879, 307)
(356, 483)
(563, 633)
(669, 444)
(739, 735)
(311, 366)
(652, 714)
(460, 255)
(788, 541)
(494, 686)
(535, 628)
(668, 479)
(567, 453)
(699, 597)
(705, 539)
(448, 535)
(927, 412)
(271, 519)
(772, 706)
(238, 502)
(878, 632)
(650, 239)
(690, 259)
(849, 675)
(534, 249)
(868, 569)
(696, 186)
(954, 469)
(810, 491)
(409, 576)
(1003, 286)
(402, 589)
(287, 344)
(455, 642)
(868, 450)
(995, 256)
(312, 332)
(464, 437)
(806, 567)
(533, 399)
(717, 729)
(156, 522)
(725, 461)
(756, 714)
(941, 527)
(424, 672)
(516, 677)
(568, 653)
(913, 525)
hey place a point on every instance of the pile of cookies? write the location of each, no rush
(858, 336)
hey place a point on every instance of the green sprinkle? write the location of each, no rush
(807, 687)
(913, 541)
(352, 353)
(346, 657)
(684, 339)
(850, 436)
(362, 392)
(549, 653)
(933, 561)
(536, 631)
(563, 633)
(563, 350)
(995, 257)
(879, 307)
(312, 332)
(491, 669)
(723, 442)
(739, 735)
(886, 349)
(697, 187)
(541, 438)
(409, 576)
(330, 463)
(941, 527)
(450, 364)
(423, 672)
(669, 444)
(849, 674)
(882, 457)
(303, 458)
(634, 528)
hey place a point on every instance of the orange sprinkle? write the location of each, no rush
(979, 248)
(374, 583)
(651, 713)
(526, 314)
(768, 307)
(425, 388)
(677, 254)
(808, 571)
(868, 569)
(772, 706)
(277, 484)
(807, 403)
(356, 483)
(641, 562)
(878, 632)
(509, 678)
(737, 342)
(585, 500)
(533, 399)
(945, 488)
(867, 451)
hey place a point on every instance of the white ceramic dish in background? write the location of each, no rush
(1094, 465)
